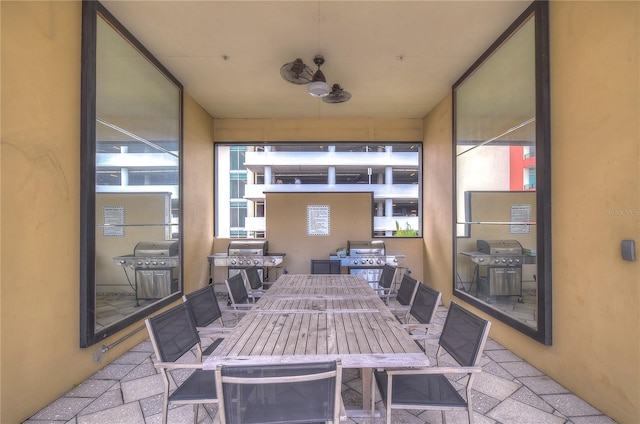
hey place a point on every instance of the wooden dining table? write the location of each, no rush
(320, 317)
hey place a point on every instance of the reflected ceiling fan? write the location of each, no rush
(297, 72)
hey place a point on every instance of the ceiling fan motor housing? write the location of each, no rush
(298, 73)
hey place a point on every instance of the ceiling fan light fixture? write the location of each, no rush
(318, 87)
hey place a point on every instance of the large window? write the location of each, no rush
(391, 171)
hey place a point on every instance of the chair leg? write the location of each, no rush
(165, 400)
(389, 387)
(373, 395)
(165, 410)
(469, 400)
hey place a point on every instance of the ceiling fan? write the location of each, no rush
(337, 95)
(297, 72)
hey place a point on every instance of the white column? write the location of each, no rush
(124, 172)
(388, 180)
(331, 172)
(268, 179)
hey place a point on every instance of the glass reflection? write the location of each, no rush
(497, 129)
(132, 212)
(137, 179)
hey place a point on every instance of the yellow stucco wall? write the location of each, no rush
(595, 137)
(40, 206)
(595, 156)
(40, 170)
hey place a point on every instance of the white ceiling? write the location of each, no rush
(398, 59)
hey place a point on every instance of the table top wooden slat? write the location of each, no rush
(319, 317)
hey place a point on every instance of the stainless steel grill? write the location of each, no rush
(499, 268)
(247, 253)
(497, 253)
(367, 258)
(151, 254)
(155, 264)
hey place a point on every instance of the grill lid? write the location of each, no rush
(499, 247)
(361, 248)
(156, 248)
(248, 247)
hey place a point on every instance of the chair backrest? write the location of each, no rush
(173, 333)
(254, 278)
(325, 266)
(407, 290)
(204, 305)
(280, 393)
(237, 290)
(425, 304)
(387, 276)
(464, 335)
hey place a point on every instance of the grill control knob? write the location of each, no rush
(154, 263)
(510, 260)
(480, 259)
(497, 261)
(122, 262)
(163, 263)
(233, 261)
(517, 260)
(355, 262)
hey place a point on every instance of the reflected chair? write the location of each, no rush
(238, 295)
(463, 338)
(280, 393)
(206, 312)
(325, 266)
(173, 334)
(253, 282)
(423, 310)
(400, 302)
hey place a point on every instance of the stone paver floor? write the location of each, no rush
(509, 390)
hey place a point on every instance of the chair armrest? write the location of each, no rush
(399, 308)
(425, 336)
(416, 326)
(385, 290)
(214, 334)
(242, 305)
(177, 366)
(214, 329)
(434, 370)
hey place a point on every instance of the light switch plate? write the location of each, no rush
(628, 250)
